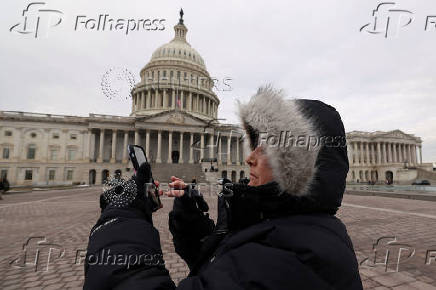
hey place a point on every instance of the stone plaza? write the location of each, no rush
(35, 222)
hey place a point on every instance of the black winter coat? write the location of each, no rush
(266, 239)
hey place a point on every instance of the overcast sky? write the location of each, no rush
(312, 49)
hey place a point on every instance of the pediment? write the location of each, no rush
(174, 118)
(397, 134)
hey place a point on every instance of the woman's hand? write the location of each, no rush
(177, 187)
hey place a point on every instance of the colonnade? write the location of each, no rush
(378, 153)
(209, 144)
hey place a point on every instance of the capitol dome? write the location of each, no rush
(175, 78)
(178, 49)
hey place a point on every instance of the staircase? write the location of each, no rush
(163, 172)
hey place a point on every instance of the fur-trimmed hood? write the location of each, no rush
(304, 141)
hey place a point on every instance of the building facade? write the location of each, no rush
(384, 157)
(174, 117)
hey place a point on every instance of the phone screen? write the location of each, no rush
(140, 156)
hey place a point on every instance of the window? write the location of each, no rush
(8, 133)
(4, 173)
(73, 136)
(53, 154)
(28, 174)
(6, 153)
(69, 174)
(164, 73)
(71, 154)
(55, 135)
(31, 150)
(33, 135)
(171, 74)
(51, 174)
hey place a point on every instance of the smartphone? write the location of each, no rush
(138, 157)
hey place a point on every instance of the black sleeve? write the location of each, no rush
(124, 252)
(189, 225)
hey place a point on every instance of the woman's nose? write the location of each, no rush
(250, 159)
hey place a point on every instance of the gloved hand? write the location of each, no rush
(133, 193)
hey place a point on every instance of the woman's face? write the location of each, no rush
(260, 170)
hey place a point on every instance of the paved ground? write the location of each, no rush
(61, 220)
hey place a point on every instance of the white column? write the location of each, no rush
(229, 152)
(389, 153)
(170, 146)
(367, 153)
(385, 157)
(191, 149)
(349, 152)
(405, 153)
(100, 153)
(355, 153)
(159, 143)
(147, 143)
(211, 146)
(420, 154)
(201, 146)
(412, 153)
(114, 145)
(409, 154)
(182, 96)
(395, 153)
(378, 153)
(173, 104)
(219, 159)
(88, 150)
(362, 159)
(165, 99)
(137, 137)
(126, 140)
(237, 151)
(148, 101)
(190, 101)
(181, 148)
(156, 98)
(415, 154)
(197, 109)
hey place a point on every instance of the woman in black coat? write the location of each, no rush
(277, 232)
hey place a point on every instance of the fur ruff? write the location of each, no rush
(269, 112)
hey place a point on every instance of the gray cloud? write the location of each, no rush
(311, 49)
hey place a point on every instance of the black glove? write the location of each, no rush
(133, 193)
(189, 224)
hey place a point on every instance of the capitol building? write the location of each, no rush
(174, 117)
